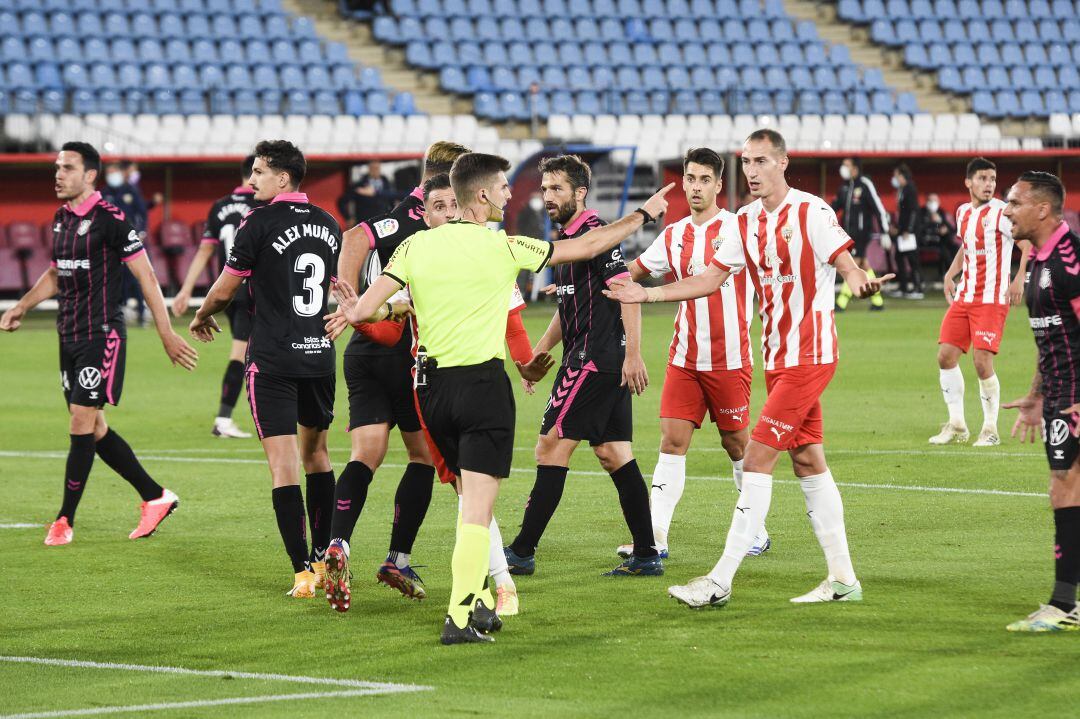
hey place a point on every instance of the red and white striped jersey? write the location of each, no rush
(711, 333)
(790, 253)
(988, 247)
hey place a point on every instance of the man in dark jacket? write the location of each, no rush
(859, 206)
(936, 231)
(906, 240)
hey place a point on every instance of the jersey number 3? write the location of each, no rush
(310, 301)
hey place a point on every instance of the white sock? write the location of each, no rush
(668, 481)
(826, 512)
(952, 389)
(400, 559)
(747, 518)
(736, 472)
(496, 558)
(990, 395)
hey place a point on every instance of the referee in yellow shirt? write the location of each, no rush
(460, 275)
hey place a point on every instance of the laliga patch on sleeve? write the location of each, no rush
(387, 227)
(516, 298)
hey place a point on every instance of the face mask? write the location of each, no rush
(536, 204)
(114, 179)
(845, 173)
(896, 182)
(932, 206)
(133, 178)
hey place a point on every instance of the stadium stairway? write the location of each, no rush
(891, 63)
(364, 49)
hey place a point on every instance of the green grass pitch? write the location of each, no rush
(943, 572)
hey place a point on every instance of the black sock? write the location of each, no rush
(289, 508)
(116, 453)
(349, 498)
(79, 461)
(1066, 558)
(634, 500)
(230, 387)
(410, 505)
(320, 512)
(539, 508)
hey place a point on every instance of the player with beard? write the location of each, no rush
(590, 398)
(91, 242)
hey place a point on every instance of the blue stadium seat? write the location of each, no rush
(326, 102)
(291, 77)
(993, 8)
(677, 77)
(486, 105)
(470, 53)
(768, 54)
(661, 29)
(377, 102)
(142, 25)
(1011, 55)
(636, 102)
(479, 78)
(199, 26)
(1021, 77)
(577, 78)
(41, 49)
(495, 54)
(84, 102)
(1074, 101)
(461, 28)
(52, 101)
(712, 103)
(73, 76)
(370, 77)
(479, 8)
(653, 78)
(238, 77)
(1031, 104)
(997, 78)
(951, 80)
(702, 78)
(751, 77)
(924, 10)
(596, 55)
(211, 76)
(816, 55)
(116, 25)
(444, 53)
(452, 79)
(988, 54)
(164, 102)
(419, 54)
(403, 104)
(776, 78)
(1006, 104)
(685, 103)
(385, 29)
(24, 101)
(1035, 54)
(801, 78)
(953, 31)
(298, 102)
(246, 102)
(627, 77)
(171, 26)
(1002, 31)
(1049, 30)
(873, 79)
(63, 24)
(191, 102)
(34, 23)
(177, 50)
(271, 101)
(1070, 30)
(12, 49)
(554, 77)
(503, 79)
(851, 11)
(915, 56)
(1055, 102)
(224, 26)
(102, 76)
(1069, 77)
(527, 75)
(247, 26)
(221, 103)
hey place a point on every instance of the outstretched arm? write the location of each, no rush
(856, 278)
(600, 239)
(690, 288)
(179, 351)
(372, 306)
(43, 289)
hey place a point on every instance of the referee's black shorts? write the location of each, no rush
(381, 390)
(470, 413)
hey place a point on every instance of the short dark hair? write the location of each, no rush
(91, 159)
(576, 170)
(283, 156)
(440, 157)
(979, 163)
(438, 182)
(471, 170)
(245, 168)
(904, 171)
(855, 161)
(704, 156)
(774, 138)
(1048, 187)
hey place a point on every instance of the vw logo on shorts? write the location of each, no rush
(1059, 432)
(89, 377)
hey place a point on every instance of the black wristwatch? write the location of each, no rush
(648, 218)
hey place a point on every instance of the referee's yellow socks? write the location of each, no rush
(470, 568)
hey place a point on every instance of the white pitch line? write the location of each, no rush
(20, 525)
(355, 688)
(854, 485)
(192, 704)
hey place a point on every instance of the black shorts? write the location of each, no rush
(470, 413)
(1059, 434)
(381, 391)
(239, 314)
(586, 404)
(278, 404)
(861, 243)
(92, 373)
